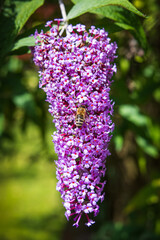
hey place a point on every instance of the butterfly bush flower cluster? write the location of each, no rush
(76, 70)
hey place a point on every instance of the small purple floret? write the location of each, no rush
(76, 70)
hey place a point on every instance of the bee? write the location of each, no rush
(80, 116)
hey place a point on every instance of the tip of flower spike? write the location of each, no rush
(90, 222)
(76, 225)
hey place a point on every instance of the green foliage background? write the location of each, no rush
(30, 206)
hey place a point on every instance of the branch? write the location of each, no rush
(64, 16)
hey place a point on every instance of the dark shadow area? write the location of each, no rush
(7, 21)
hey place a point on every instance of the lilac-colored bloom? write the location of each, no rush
(76, 70)
(49, 24)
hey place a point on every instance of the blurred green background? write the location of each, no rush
(30, 206)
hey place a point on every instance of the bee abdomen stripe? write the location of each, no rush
(79, 120)
(79, 117)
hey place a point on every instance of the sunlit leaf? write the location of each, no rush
(84, 6)
(24, 42)
(157, 95)
(26, 102)
(147, 147)
(142, 162)
(154, 131)
(118, 141)
(132, 114)
(124, 65)
(124, 19)
(22, 100)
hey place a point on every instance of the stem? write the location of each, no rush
(64, 16)
(63, 11)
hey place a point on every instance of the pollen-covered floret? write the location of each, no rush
(76, 70)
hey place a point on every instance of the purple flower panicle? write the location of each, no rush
(76, 70)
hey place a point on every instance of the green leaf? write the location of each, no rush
(124, 65)
(147, 147)
(147, 196)
(14, 15)
(118, 141)
(26, 102)
(20, 51)
(84, 6)
(24, 42)
(109, 25)
(23, 100)
(32, 30)
(132, 114)
(142, 164)
(124, 19)
(142, 122)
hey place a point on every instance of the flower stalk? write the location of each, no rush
(64, 16)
